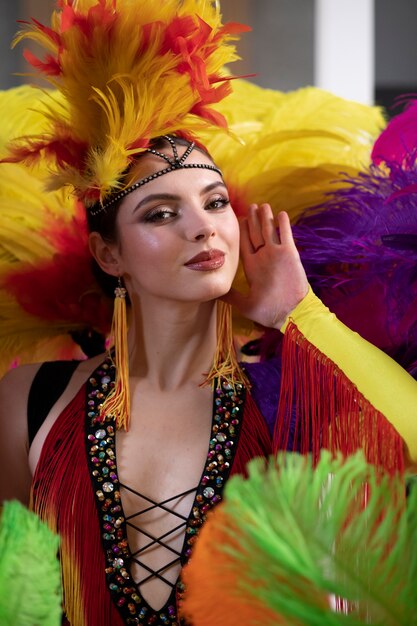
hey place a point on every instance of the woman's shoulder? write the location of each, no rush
(56, 381)
(14, 391)
(15, 385)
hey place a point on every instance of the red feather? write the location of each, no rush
(65, 150)
(194, 42)
(63, 288)
(51, 34)
(49, 66)
(209, 114)
(98, 16)
(232, 28)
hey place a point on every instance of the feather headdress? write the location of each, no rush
(129, 71)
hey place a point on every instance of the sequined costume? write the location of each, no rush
(99, 544)
(76, 481)
(96, 123)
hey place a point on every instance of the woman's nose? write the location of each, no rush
(204, 233)
(201, 227)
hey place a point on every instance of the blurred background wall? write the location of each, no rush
(282, 49)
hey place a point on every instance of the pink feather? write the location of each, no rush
(397, 143)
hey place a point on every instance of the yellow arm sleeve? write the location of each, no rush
(384, 383)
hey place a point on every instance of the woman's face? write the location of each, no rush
(178, 237)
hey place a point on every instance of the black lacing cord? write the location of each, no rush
(158, 504)
(158, 540)
(156, 573)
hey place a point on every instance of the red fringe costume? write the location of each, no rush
(76, 484)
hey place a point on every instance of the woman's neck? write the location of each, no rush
(171, 344)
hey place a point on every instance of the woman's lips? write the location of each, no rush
(207, 260)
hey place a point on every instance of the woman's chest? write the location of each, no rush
(165, 449)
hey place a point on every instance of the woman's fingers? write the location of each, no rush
(266, 217)
(261, 226)
(255, 228)
(276, 278)
(285, 230)
(246, 247)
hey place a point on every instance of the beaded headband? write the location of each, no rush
(175, 163)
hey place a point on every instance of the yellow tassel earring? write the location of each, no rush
(117, 402)
(225, 363)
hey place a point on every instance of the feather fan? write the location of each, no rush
(361, 246)
(307, 546)
(47, 289)
(288, 149)
(397, 144)
(30, 578)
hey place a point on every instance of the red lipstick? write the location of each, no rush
(206, 261)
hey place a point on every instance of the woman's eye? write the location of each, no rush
(217, 203)
(159, 215)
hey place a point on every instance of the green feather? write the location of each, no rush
(30, 582)
(305, 537)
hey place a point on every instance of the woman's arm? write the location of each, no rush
(15, 477)
(382, 381)
(279, 294)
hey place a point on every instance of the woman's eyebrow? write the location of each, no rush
(156, 196)
(217, 183)
(171, 196)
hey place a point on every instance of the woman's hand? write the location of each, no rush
(277, 280)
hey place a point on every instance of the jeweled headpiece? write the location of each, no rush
(129, 71)
(175, 163)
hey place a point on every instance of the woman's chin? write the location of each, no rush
(216, 291)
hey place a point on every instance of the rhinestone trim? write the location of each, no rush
(228, 405)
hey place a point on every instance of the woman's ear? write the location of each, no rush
(105, 254)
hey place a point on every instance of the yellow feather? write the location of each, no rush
(25, 210)
(123, 84)
(24, 110)
(292, 146)
(289, 149)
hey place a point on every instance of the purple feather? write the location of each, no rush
(359, 249)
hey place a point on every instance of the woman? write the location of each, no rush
(175, 245)
(182, 229)
(166, 229)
